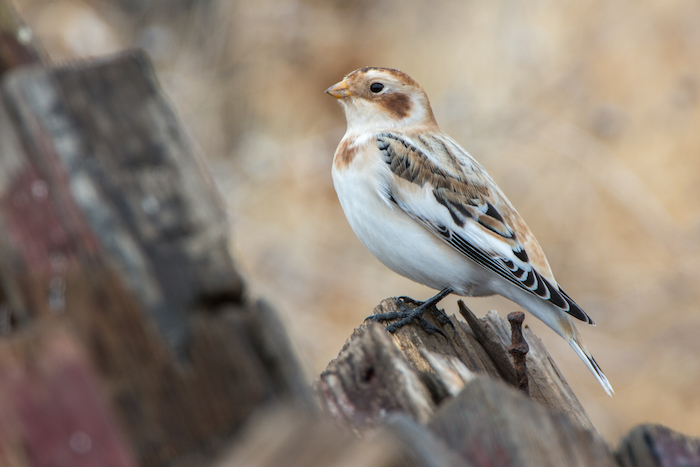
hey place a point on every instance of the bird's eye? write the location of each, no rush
(376, 87)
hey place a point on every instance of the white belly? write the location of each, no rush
(400, 242)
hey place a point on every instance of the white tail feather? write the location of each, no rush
(577, 344)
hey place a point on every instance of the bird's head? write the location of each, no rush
(382, 98)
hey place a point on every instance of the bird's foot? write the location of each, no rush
(406, 315)
(439, 314)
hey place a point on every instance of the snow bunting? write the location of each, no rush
(427, 210)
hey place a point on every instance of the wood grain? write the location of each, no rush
(491, 423)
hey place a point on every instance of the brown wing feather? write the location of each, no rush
(526, 238)
(475, 198)
(464, 198)
(411, 163)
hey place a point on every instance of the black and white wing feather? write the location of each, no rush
(439, 185)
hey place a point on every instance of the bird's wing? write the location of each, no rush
(438, 184)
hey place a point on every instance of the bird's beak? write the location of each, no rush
(339, 90)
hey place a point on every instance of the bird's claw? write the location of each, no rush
(406, 316)
(439, 314)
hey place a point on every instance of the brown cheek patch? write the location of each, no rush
(345, 154)
(398, 104)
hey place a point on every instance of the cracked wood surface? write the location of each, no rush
(479, 346)
(460, 383)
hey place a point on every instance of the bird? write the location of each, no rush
(426, 209)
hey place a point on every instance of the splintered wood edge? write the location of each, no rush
(450, 371)
(371, 378)
(445, 364)
(547, 384)
(458, 341)
(491, 343)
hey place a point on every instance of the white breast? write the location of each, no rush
(397, 240)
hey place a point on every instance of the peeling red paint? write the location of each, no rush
(37, 230)
(51, 402)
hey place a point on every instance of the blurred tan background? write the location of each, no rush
(586, 113)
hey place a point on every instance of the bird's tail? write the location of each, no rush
(577, 344)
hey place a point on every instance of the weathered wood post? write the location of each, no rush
(128, 336)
